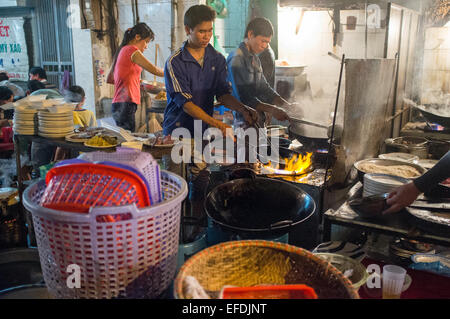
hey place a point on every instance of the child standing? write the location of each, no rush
(81, 117)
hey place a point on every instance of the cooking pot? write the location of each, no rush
(258, 206)
(9, 200)
(409, 144)
(12, 230)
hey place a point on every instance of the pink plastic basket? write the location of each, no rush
(78, 187)
(133, 258)
(142, 161)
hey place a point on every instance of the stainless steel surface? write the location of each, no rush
(367, 86)
(432, 206)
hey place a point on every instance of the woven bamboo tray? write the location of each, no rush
(258, 262)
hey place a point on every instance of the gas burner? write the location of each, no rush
(434, 127)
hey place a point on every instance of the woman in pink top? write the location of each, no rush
(125, 74)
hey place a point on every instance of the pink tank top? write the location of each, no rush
(127, 77)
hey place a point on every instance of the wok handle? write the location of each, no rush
(281, 224)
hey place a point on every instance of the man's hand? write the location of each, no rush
(250, 115)
(401, 197)
(227, 131)
(279, 114)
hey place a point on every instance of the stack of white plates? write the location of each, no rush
(377, 184)
(24, 121)
(55, 125)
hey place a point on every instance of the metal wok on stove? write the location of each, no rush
(258, 206)
(429, 112)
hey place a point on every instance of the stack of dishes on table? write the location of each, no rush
(377, 184)
(24, 121)
(54, 125)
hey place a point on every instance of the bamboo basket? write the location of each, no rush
(259, 262)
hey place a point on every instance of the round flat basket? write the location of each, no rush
(258, 262)
(135, 257)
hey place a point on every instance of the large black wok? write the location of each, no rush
(429, 112)
(311, 137)
(258, 206)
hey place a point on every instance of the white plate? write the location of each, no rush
(94, 146)
(427, 163)
(24, 116)
(58, 124)
(43, 118)
(404, 157)
(54, 115)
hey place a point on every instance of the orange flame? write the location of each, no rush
(295, 165)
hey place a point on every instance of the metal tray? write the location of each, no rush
(384, 162)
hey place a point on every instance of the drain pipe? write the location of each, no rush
(173, 33)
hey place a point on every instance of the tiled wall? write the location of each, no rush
(436, 65)
(157, 15)
(230, 30)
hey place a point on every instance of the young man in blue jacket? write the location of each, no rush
(194, 75)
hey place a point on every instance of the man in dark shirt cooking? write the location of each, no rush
(405, 195)
(246, 75)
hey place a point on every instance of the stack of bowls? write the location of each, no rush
(54, 125)
(24, 121)
(377, 184)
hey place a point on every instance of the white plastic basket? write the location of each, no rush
(134, 258)
(142, 161)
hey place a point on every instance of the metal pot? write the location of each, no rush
(288, 70)
(409, 144)
(12, 230)
(437, 148)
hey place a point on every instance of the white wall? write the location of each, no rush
(230, 30)
(82, 58)
(157, 15)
